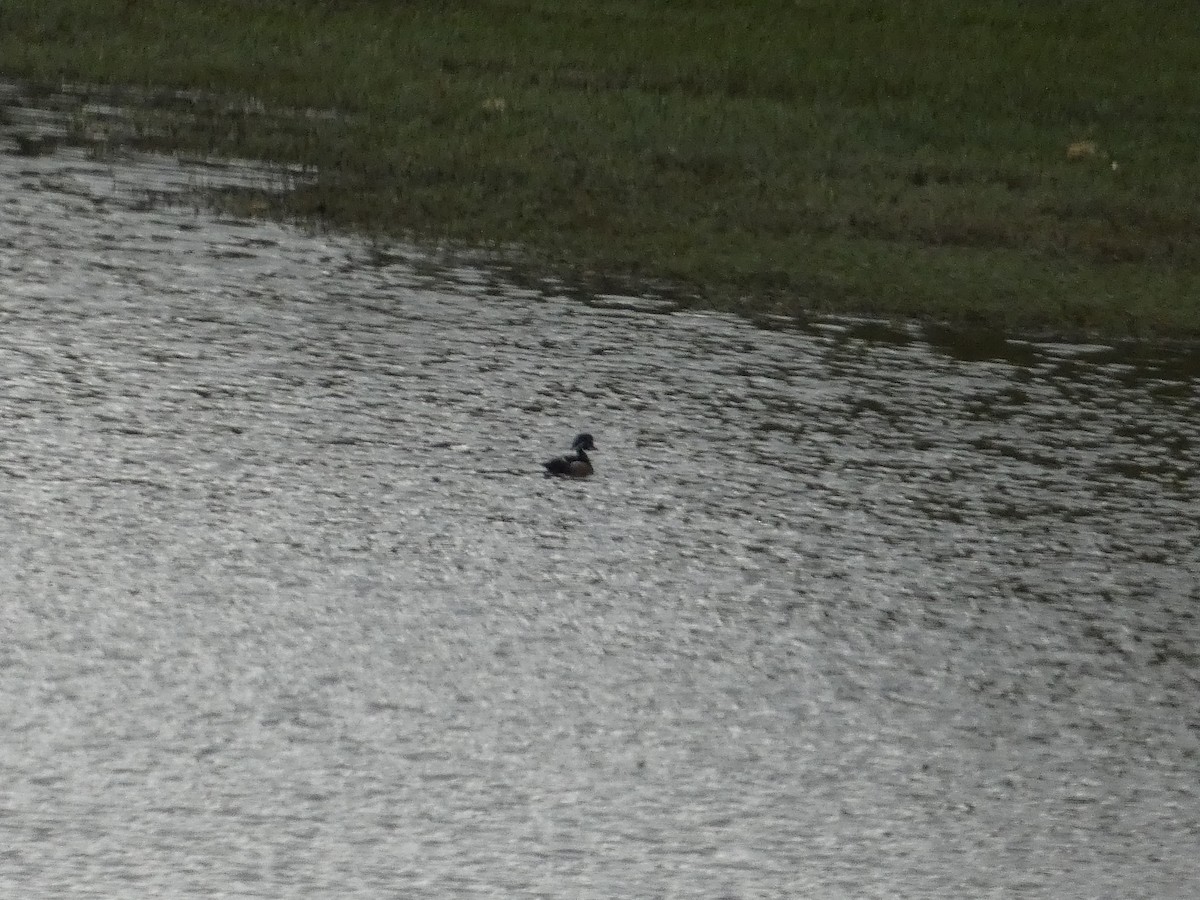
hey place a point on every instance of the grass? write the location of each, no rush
(903, 159)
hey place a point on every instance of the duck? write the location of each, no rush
(573, 465)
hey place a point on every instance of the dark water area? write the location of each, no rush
(847, 611)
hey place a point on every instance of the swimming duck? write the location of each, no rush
(573, 465)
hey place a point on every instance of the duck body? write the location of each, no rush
(573, 465)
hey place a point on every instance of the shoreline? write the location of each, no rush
(759, 169)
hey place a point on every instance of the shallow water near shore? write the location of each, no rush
(848, 611)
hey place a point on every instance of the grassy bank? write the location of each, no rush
(1026, 165)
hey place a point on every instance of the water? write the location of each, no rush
(290, 611)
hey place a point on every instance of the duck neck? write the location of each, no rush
(580, 455)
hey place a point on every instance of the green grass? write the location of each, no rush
(904, 159)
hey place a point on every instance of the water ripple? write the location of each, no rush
(848, 610)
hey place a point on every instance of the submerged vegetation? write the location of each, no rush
(996, 163)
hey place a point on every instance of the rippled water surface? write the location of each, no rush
(289, 610)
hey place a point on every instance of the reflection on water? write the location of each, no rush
(845, 613)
